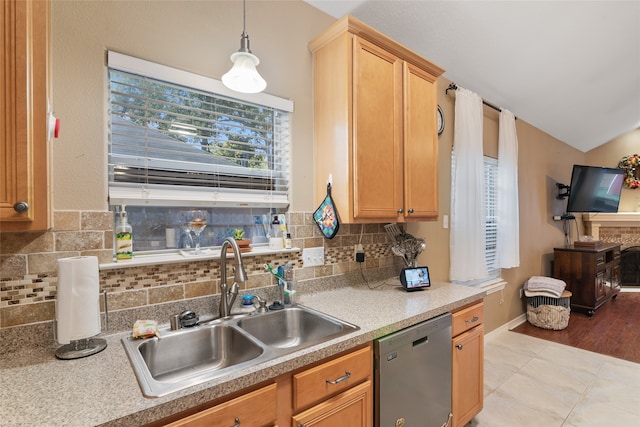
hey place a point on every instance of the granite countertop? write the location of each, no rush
(38, 389)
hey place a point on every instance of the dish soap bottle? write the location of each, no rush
(124, 238)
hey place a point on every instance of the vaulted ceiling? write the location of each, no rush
(570, 68)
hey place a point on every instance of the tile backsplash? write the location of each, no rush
(625, 235)
(28, 266)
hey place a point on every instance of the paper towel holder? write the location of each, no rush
(81, 348)
(86, 346)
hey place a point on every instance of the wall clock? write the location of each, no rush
(440, 120)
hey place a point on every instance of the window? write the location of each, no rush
(179, 140)
(491, 223)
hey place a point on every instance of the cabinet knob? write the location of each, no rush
(21, 207)
(459, 346)
(410, 210)
(400, 210)
(237, 422)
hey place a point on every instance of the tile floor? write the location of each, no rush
(529, 382)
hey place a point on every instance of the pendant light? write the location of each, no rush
(243, 76)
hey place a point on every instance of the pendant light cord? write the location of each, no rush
(244, 16)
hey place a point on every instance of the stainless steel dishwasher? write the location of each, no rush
(413, 376)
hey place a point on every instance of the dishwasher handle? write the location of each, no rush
(345, 377)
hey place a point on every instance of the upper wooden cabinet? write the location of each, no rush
(375, 128)
(24, 148)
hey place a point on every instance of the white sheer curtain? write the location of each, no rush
(508, 212)
(468, 211)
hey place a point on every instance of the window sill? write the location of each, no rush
(493, 286)
(175, 257)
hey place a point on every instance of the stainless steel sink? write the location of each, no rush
(292, 327)
(187, 357)
(179, 356)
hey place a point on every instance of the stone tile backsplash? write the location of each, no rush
(28, 265)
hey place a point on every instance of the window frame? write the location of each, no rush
(170, 195)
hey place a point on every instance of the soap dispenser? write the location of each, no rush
(124, 238)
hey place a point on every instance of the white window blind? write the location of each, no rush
(491, 225)
(172, 144)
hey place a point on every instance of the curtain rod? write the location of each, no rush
(453, 86)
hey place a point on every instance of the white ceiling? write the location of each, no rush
(570, 68)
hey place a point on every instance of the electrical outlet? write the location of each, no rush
(358, 253)
(313, 256)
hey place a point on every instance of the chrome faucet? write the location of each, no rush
(240, 275)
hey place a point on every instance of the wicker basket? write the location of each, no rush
(549, 312)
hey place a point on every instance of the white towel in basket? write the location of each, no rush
(544, 286)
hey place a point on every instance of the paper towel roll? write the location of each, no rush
(78, 301)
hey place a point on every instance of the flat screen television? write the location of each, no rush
(595, 189)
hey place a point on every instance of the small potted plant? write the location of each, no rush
(243, 244)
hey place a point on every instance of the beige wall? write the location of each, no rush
(610, 154)
(197, 36)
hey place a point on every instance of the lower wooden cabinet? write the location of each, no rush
(468, 364)
(334, 392)
(351, 408)
(257, 408)
(318, 383)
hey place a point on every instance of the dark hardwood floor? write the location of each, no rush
(613, 330)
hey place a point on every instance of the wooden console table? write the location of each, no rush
(592, 274)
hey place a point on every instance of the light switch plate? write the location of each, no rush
(313, 256)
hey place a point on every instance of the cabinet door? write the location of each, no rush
(257, 408)
(615, 278)
(420, 144)
(467, 375)
(601, 285)
(353, 408)
(23, 114)
(377, 133)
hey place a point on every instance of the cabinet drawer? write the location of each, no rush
(316, 384)
(257, 408)
(467, 318)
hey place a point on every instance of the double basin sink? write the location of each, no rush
(175, 360)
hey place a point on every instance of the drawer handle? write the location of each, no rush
(345, 377)
(475, 319)
(459, 346)
(237, 422)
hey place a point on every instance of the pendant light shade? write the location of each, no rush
(243, 76)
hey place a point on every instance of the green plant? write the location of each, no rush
(238, 234)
